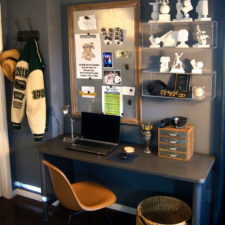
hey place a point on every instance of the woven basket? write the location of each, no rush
(162, 210)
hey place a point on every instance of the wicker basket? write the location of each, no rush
(162, 210)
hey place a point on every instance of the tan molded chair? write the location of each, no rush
(80, 196)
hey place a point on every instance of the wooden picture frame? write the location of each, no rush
(130, 71)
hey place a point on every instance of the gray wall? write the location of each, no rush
(49, 17)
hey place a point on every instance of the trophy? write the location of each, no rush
(146, 135)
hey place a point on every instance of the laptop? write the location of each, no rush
(99, 133)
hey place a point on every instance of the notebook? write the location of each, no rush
(99, 133)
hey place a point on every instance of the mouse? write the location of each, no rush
(123, 156)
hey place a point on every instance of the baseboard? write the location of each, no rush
(37, 197)
(27, 194)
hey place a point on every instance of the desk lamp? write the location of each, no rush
(66, 111)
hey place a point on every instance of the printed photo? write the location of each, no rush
(112, 77)
(107, 59)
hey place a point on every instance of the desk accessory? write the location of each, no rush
(176, 143)
(146, 135)
(178, 121)
(66, 111)
(182, 83)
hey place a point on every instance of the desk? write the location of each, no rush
(195, 170)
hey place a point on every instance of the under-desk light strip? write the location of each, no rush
(27, 187)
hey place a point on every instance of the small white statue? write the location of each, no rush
(197, 66)
(155, 42)
(164, 10)
(203, 11)
(169, 39)
(155, 10)
(202, 39)
(164, 64)
(187, 7)
(179, 6)
(177, 66)
(182, 38)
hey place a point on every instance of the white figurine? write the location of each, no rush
(186, 9)
(179, 6)
(164, 10)
(155, 10)
(169, 39)
(202, 10)
(155, 42)
(197, 66)
(164, 64)
(177, 66)
(182, 37)
(202, 39)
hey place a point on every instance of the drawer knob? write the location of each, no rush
(173, 155)
(173, 149)
(173, 134)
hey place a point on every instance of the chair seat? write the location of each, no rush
(93, 196)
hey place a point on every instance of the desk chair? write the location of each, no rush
(81, 196)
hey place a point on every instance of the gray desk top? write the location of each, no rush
(195, 170)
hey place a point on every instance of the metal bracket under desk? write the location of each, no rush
(195, 171)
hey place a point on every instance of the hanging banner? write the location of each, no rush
(88, 56)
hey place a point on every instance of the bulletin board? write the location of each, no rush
(103, 55)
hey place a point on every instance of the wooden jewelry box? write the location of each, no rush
(176, 143)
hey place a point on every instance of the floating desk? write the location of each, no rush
(195, 171)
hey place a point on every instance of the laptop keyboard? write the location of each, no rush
(93, 144)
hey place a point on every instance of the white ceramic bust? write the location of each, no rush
(197, 66)
(155, 10)
(155, 42)
(164, 10)
(164, 64)
(187, 7)
(203, 11)
(179, 6)
(182, 38)
(202, 38)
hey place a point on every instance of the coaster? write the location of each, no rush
(116, 157)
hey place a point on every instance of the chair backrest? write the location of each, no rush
(62, 188)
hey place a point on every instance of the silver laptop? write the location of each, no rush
(99, 133)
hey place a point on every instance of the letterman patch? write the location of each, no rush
(20, 84)
(22, 72)
(38, 94)
(18, 95)
(17, 105)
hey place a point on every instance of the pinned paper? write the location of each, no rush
(87, 92)
(128, 91)
(87, 22)
(112, 101)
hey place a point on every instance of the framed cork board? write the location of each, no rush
(104, 59)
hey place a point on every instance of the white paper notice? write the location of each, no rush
(112, 101)
(88, 56)
(88, 91)
(128, 91)
(87, 22)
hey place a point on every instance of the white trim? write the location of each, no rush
(5, 173)
(37, 197)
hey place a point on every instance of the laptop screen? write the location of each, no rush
(100, 127)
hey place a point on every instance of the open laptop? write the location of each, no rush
(99, 133)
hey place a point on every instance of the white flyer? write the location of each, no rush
(88, 92)
(87, 22)
(88, 56)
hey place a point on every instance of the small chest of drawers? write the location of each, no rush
(176, 143)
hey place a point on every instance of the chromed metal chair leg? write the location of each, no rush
(74, 214)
